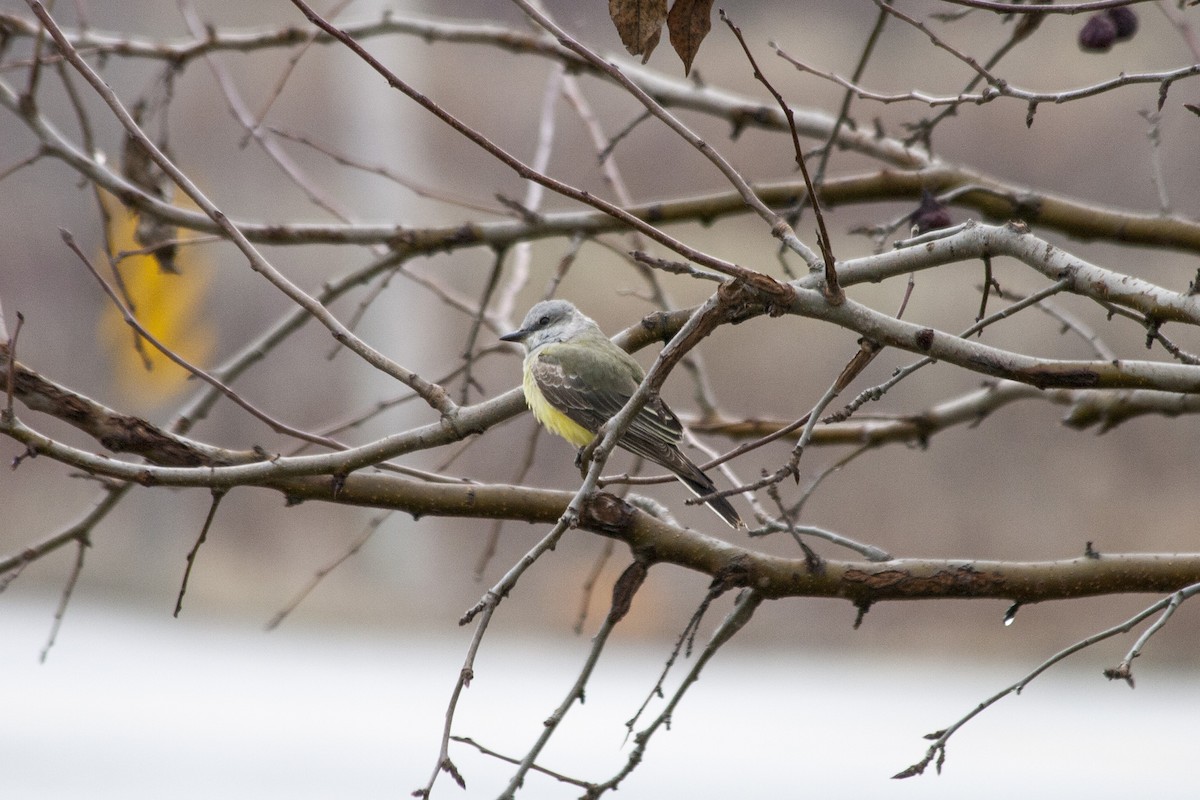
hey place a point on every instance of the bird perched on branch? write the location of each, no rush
(576, 379)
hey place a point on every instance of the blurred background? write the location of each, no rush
(348, 695)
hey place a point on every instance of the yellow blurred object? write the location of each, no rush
(168, 304)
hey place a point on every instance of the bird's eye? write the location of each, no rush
(544, 321)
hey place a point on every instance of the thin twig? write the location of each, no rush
(20, 165)
(82, 543)
(1002, 89)
(293, 60)
(833, 291)
(1005, 7)
(468, 355)
(686, 636)
(1124, 670)
(551, 724)
(217, 496)
(80, 530)
(427, 192)
(848, 96)
(940, 738)
(558, 776)
(836, 466)
(867, 551)
(741, 614)
(1069, 322)
(283, 613)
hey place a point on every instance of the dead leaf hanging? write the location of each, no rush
(688, 23)
(639, 24)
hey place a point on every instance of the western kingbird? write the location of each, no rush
(576, 379)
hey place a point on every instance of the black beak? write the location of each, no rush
(515, 336)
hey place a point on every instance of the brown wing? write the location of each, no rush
(591, 390)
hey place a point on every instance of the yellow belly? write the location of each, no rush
(550, 417)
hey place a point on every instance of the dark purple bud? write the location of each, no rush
(1098, 33)
(1125, 20)
(930, 214)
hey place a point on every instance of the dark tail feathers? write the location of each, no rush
(700, 485)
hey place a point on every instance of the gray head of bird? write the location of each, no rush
(551, 321)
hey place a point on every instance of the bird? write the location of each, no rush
(575, 379)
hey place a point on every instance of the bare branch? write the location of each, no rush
(940, 738)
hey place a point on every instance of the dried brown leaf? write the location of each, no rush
(624, 590)
(639, 24)
(688, 23)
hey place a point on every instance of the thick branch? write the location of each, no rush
(1044, 373)
(862, 582)
(1087, 408)
(977, 241)
(651, 540)
(118, 432)
(991, 197)
(182, 50)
